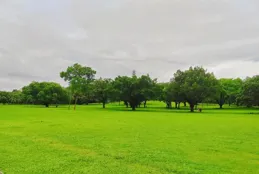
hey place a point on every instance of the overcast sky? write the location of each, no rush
(40, 38)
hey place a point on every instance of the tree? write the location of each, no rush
(50, 93)
(45, 93)
(134, 90)
(175, 92)
(221, 93)
(232, 89)
(196, 84)
(124, 88)
(16, 97)
(164, 94)
(79, 78)
(147, 88)
(228, 91)
(30, 93)
(102, 89)
(175, 89)
(250, 92)
(4, 97)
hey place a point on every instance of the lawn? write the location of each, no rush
(38, 140)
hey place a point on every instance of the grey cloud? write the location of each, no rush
(21, 75)
(41, 38)
(255, 59)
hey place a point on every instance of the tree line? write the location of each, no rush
(192, 86)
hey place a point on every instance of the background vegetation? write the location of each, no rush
(191, 87)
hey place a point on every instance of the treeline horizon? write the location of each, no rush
(193, 86)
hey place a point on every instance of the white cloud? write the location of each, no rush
(41, 38)
(79, 34)
(235, 69)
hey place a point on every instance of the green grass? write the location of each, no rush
(41, 140)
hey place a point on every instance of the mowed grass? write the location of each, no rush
(38, 140)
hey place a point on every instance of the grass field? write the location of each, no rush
(38, 140)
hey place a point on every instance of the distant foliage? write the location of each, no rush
(192, 86)
(134, 90)
(102, 90)
(45, 93)
(249, 95)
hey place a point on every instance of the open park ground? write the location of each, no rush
(38, 140)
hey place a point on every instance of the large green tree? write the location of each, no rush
(45, 93)
(30, 93)
(148, 88)
(250, 92)
(232, 88)
(134, 90)
(228, 91)
(79, 78)
(102, 90)
(176, 93)
(50, 93)
(221, 93)
(16, 97)
(164, 94)
(4, 97)
(196, 84)
(125, 88)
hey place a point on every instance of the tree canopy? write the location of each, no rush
(103, 90)
(45, 93)
(79, 78)
(250, 92)
(194, 85)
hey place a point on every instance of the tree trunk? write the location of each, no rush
(184, 104)
(179, 104)
(103, 104)
(126, 103)
(69, 105)
(221, 106)
(133, 105)
(145, 104)
(168, 105)
(75, 103)
(192, 107)
(47, 105)
(176, 105)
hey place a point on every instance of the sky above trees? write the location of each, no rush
(41, 38)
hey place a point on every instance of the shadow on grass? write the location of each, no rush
(154, 109)
(252, 111)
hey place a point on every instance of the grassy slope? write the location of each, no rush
(93, 140)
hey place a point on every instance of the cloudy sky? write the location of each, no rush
(40, 38)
